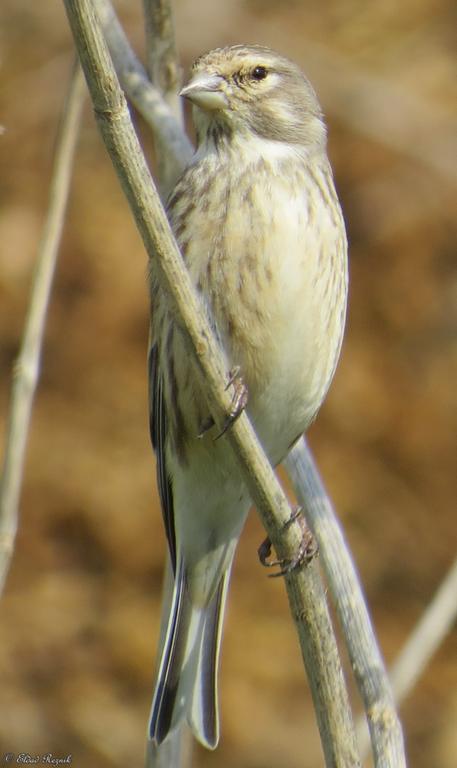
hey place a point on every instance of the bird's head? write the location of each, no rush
(253, 90)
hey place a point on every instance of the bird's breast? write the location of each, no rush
(267, 253)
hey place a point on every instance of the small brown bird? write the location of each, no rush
(260, 228)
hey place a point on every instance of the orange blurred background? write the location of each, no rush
(79, 620)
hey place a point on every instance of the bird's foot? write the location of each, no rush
(238, 404)
(239, 399)
(306, 551)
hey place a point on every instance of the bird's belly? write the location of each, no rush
(291, 380)
(286, 343)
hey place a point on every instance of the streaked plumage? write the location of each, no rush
(260, 228)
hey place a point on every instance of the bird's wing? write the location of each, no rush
(158, 428)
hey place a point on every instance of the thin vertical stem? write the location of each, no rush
(26, 369)
(164, 71)
(162, 60)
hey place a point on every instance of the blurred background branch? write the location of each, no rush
(27, 367)
(163, 63)
(162, 112)
(425, 639)
(165, 73)
(436, 622)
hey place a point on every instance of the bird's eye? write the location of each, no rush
(259, 73)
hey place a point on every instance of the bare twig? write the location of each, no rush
(164, 72)
(305, 592)
(423, 642)
(366, 660)
(163, 65)
(427, 636)
(26, 371)
(172, 142)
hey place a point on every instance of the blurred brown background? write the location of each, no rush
(79, 620)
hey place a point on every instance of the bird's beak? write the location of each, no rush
(206, 92)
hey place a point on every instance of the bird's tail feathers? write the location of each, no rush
(187, 677)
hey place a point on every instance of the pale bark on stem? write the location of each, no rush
(163, 64)
(173, 145)
(366, 661)
(165, 74)
(26, 369)
(306, 595)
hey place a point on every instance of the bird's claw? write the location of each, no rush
(306, 552)
(239, 399)
(205, 426)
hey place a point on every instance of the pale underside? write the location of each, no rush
(266, 250)
(272, 231)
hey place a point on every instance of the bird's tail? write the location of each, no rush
(186, 685)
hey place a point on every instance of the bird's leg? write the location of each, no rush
(306, 552)
(239, 399)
